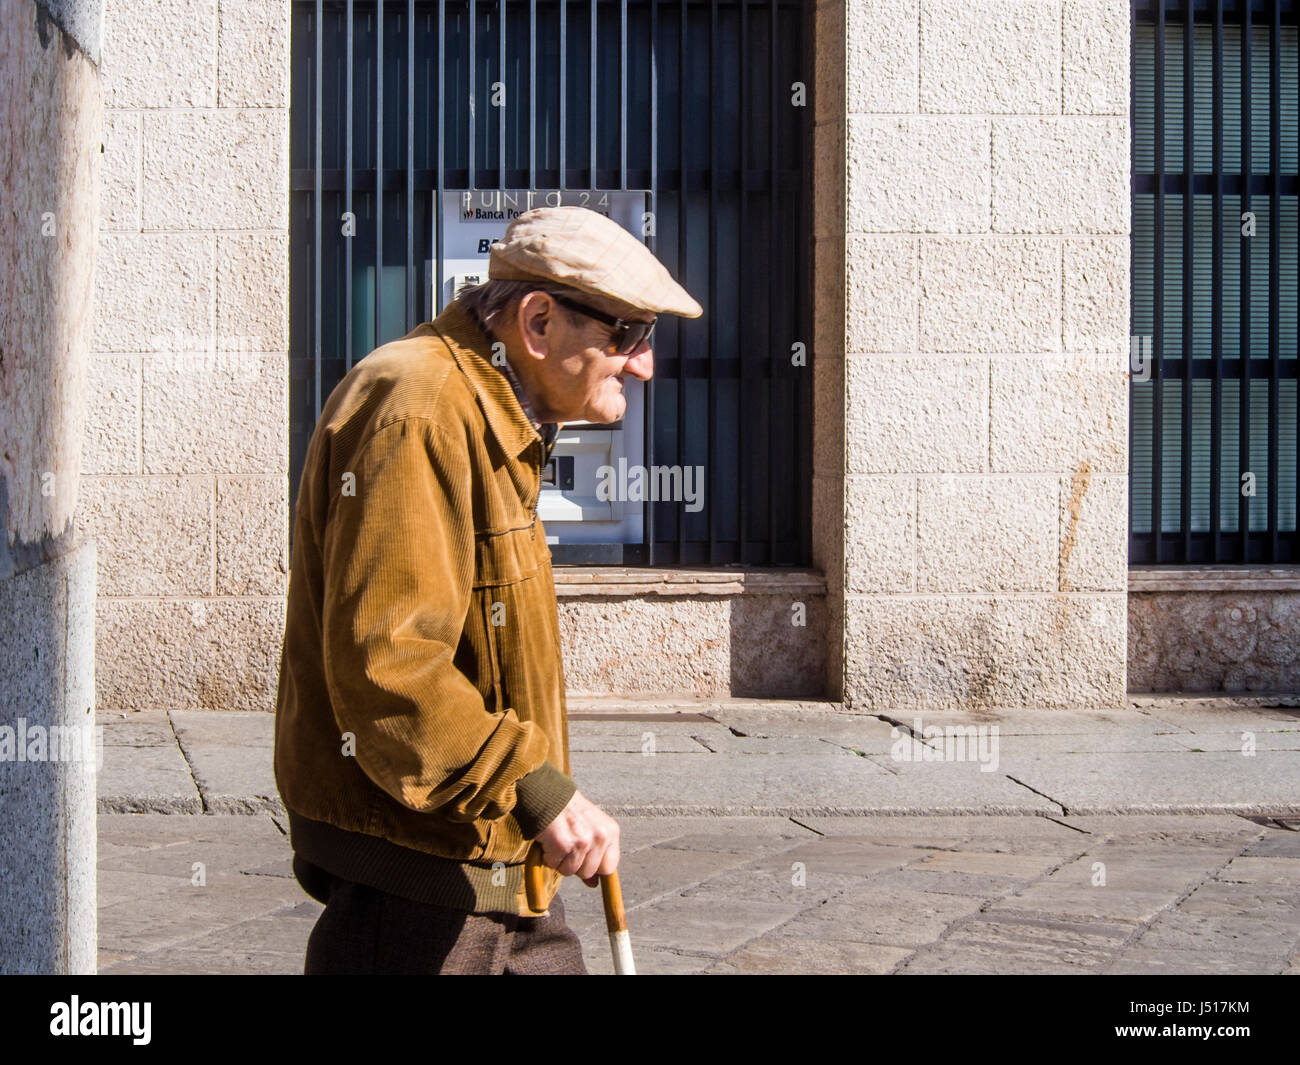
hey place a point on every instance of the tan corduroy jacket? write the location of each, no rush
(421, 740)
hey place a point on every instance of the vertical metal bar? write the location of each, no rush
(442, 140)
(1189, 281)
(1158, 339)
(648, 390)
(802, 380)
(1243, 502)
(503, 111)
(1216, 301)
(622, 94)
(681, 266)
(412, 309)
(472, 30)
(712, 502)
(564, 90)
(592, 99)
(770, 363)
(1132, 268)
(319, 101)
(532, 94)
(379, 172)
(1274, 268)
(347, 194)
(743, 363)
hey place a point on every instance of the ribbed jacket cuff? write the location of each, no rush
(542, 794)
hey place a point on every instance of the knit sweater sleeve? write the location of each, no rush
(398, 557)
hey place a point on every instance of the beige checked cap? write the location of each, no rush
(576, 246)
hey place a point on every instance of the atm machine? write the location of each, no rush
(580, 527)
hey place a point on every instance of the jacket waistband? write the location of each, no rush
(474, 887)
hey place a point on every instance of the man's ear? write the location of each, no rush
(536, 320)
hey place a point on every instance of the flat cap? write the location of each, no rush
(579, 247)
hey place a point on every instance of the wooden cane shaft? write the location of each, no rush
(535, 879)
(612, 894)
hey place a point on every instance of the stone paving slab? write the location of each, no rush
(1114, 904)
(1224, 935)
(677, 740)
(272, 944)
(1276, 844)
(710, 895)
(1278, 740)
(870, 913)
(714, 926)
(758, 759)
(1262, 714)
(151, 777)
(838, 782)
(762, 722)
(1101, 724)
(716, 784)
(1018, 834)
(1102, 868)
(1150, 961)
(228, 729)
(1182, 782)
(1036, 944)
(804, 956)
(235, 779)
(137, 730)
(969, 872)
(1273, 907)
(1065, 744)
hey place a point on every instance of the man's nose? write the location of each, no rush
(642, 364)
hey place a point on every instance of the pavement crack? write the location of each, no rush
(808, 827)
(189, 765)
(704, 743)
(1065, 824)
(1064, 809)
(843, 747)
(1143, 927)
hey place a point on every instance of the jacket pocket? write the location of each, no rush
(491, 609)
(505, 557)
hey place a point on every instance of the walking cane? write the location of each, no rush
(612, 895)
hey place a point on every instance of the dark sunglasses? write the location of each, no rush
(629, 335)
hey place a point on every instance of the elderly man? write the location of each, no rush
(421, 741)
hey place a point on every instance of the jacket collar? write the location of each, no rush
(468, 343)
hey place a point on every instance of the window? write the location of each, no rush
(1213, 399)
(392, 107)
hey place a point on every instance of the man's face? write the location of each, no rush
(577, 376)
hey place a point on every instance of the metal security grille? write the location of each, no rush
(1213, 399)
(396, 105)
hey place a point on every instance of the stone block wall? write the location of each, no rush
(986, 266)
(186, 447)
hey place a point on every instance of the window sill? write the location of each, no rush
(1258, 578)
(630, 581)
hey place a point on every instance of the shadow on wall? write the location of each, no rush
(779, 647)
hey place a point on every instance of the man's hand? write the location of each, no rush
(582, 840)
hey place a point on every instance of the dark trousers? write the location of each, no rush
(365, 930)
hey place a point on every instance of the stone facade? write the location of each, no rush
(984, 344)
(186, 450)
(1214, 629)
(971, 316)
